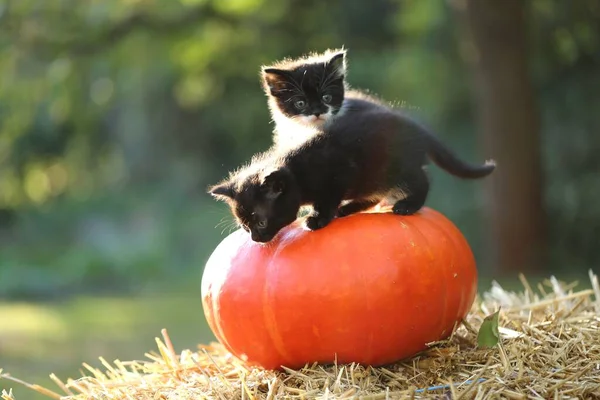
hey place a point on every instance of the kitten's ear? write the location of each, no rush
(273, 79)
(222, 191)
(276, 182)
(338, 63)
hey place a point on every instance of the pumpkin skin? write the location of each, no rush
(371, 288)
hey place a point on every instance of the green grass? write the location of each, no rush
(37, 339)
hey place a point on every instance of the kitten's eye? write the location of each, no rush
(327, 98)
(262, 224)
(300, 104)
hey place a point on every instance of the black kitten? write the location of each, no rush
(372, 154)
(260, 198)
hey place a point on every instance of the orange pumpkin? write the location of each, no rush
(371, 288)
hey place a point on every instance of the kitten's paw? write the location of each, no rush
(403, 208)
(315, 222)
(355, 207)
(343, 211)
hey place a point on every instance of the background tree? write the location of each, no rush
(510, 127)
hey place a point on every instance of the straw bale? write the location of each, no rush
(549, 348)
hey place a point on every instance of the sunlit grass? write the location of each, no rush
(37, 339)
(30, 319)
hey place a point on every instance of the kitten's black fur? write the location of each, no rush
(370, 154)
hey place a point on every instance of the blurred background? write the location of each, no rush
(115, 115)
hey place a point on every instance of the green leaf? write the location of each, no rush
(489, 335)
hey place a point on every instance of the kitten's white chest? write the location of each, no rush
(289, 134)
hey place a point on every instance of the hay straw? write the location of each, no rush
(549, 348)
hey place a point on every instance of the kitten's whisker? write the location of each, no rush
(327, 78)
(293, 98)
(223, 222)
(231, 225)
(232, 228)
(223, 231)
(295, 85)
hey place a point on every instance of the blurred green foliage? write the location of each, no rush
(115, 115)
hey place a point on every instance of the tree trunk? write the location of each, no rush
(509, 122)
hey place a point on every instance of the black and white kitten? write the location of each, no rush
(305, 93)
(372, 153)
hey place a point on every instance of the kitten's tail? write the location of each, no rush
(446, 159)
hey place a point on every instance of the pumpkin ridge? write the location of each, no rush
(268, 313)
(215, 297)
(416, 230)
(368, 304)
(441, 259)
(445, 225)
